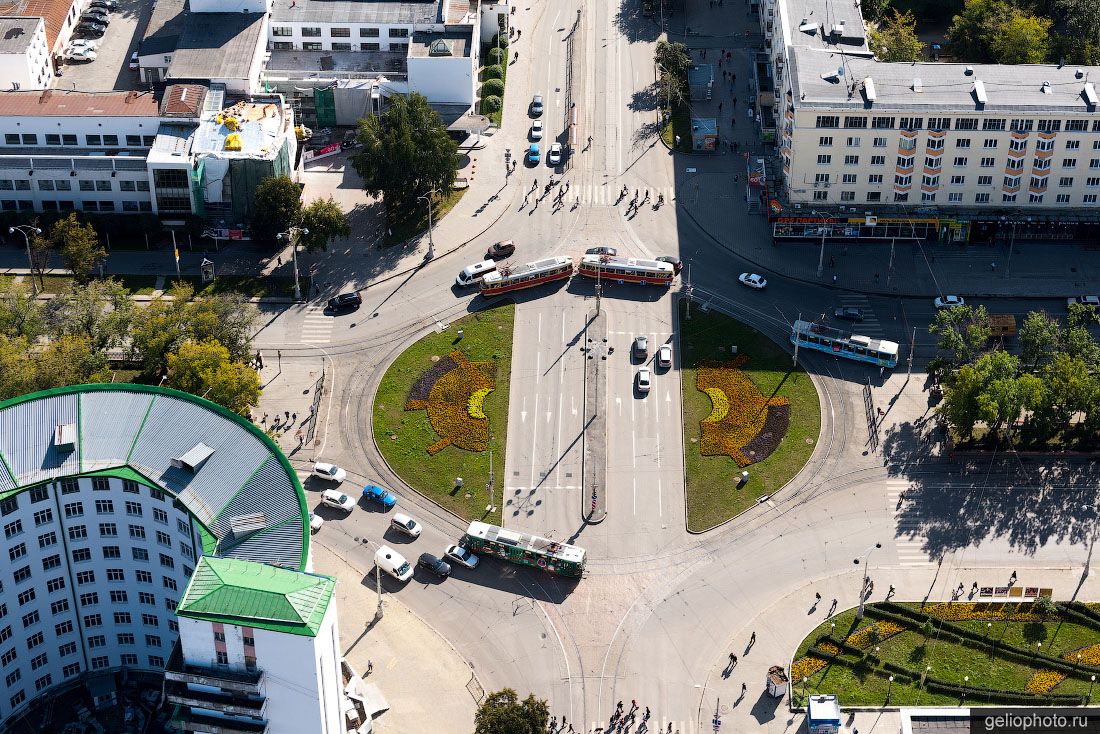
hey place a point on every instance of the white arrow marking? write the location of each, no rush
(523, 412)
(619, 402)
(548, 414)
(572, 405)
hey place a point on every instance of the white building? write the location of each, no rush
(133, 516)
(24, 55)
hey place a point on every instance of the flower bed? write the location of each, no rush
(982, 611)
(861, 638)
(1088, 655)
(1044, 680)
(453, 385)
(476, 406)
(744, 425)
(806, 666)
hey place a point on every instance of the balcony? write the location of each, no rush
(217, 676)
(903, 170)
(929, 188)
(1010, 189)
(194, 721)
(227, 702)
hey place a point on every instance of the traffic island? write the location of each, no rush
(1018, 653)
(746, 409)
(441, 413)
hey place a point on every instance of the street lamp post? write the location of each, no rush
(863, 590)
(427, 198)
(889, 686)
(1092, 682)
(821, 254)
(26, 230)
(292, 235)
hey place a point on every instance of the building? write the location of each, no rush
(148, 529)
(934, 148)
(24, 56)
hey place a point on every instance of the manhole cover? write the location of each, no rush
(393, 436)
(435, 358)
(695, 440)
(809, 440)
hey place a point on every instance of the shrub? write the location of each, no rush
(493, 72)
(490, 105)
(494, 56)
(501, 39)
(492, 88)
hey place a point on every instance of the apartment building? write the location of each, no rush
(24, 55)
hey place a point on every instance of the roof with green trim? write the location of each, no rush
(257, 595)
(245, 494)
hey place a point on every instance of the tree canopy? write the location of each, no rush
(895, 39)
(1021, 38)
(325, 221)
(503, 713)
(78, 245)
(278, 207)
(205, 369)
(99, 311)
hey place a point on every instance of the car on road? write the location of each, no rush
(339, 500)
(849, 313)
(752, 280)
(345, 301)
(949, 301)
(536, 106)
(647, 9)
(331, 472)
(536, 130)
(134, 64)
(434, 564)
(644, 379)
(80, 54)
(377, 495)
(610, 251)
(405, 525)
(664, 356)
(461, 556)
(554, 156)
(1086, 300)
(501, 250)
(393, 563)
(640, 347)
(315, 522)
(90, 30)
(677, 266)
(533, 154)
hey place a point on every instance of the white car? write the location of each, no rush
(315, 522)
(330, 472)
(554, 156)
(393, 563)
(405, 525)
(644, 379)
(752, 280)
(339, 500)
(461, 556)
(949, 301)
(536, 130)
(664, 356)
(81, 54)
(134, 63)
(78, 43)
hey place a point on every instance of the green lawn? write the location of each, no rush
(247, 285)
(712, 493)
(404, 225)
(679, 125)
(404, 436)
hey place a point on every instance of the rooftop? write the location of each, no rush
(16, 34)
(52, 11)
(367, 63)
(247, 129)
(165, 26)
(357, 11)
(183, 100)
(216, 46)
(824, 24)
(61, 103)
(259, 595)
(455, 42)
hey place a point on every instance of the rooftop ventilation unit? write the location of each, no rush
(64, 437)
(969, 71)
(918, 85)
(193, 460)
(1078, 73)
(869, 89)
(245, 524)
(838, 28)
(1090, 95)
(1046, 88)
(806, 26)
(979, 92)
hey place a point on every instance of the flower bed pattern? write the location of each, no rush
(806, 666)
(1044, 680)
(476, 407)
(1089, 655)
(447, 391)
(861, 638)
(743, 424)
(981, 611)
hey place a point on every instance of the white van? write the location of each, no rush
(471, 274)
(393, 563)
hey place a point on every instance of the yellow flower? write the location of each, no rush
(861, 638)
(476, 407)
(721, 405)
(981, 611)
(1044, 680)
(806, 666)
(829, 648)
(1089, 655)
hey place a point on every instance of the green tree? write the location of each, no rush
(1080, 20)
(503, 713)
(1040, 337)
(1045, 606)
(1069, 389)
(971, 30)
(671, 90)
(1077, 341)
(963, 330)
(406, 153)
(70, 360)
(325, 221)
(20, 314)
(278, 207)
(79, 246)
(895, 39)
(674, 58)
(17, 367)
(874, 10)
(926, 629)
(205, 369)
(1021, 38)
(100, 311)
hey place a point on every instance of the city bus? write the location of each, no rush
(513, 278)
(528, 550)
(627, 270)
(809, 335)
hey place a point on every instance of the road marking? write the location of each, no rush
(660, 507)
(539, 330)
(909, 542)
(316, 326)
(523, 411)
(635, 495)
(534, 439)
(619, 403)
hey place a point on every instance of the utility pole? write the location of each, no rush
(821, 255)
(1011, 243)
(599, 291)
(797, 336)
(912, 347)
(890, 273)
(378, 585)
(25, 230)
(863, 589)
(431, 241)
(489, 484)
(687, 292)
(291, 236)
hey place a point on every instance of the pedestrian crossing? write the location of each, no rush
(870, 326)
(907, 526)
(653, 726)
(609, 194)
(316, 326)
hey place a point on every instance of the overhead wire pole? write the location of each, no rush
(24, 229)
(797, 336)
(912, 348)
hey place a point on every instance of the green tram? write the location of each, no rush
(529, 550)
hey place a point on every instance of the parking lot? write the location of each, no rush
(109, 70)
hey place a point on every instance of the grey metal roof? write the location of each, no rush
(381, 12)
(145, 428)
(216, 46)
(824, 24)
(16, 34)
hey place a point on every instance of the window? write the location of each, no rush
(1011, 181)
(219, 637)
(281, 31)
(137, 531)
(129, 485)
(169, 583)
(150, 620)
(70, 670)
(43, 682)
(1073, 145)
(993, 123)
(7, 657)
(1069, 163)
(127, 658)
(1017, 146)
(248, 641)
(164, 538)
(878, 160)
(108, 530)
(939, 123)
(102, 185)
(1089, 199)
(17, 699)
(55, 584)
(825, 141)
(311, 32)
(932, 162)
(848, 178)
(1050, 126)
(38, 661)
(116, 574)
(882, 123)
(17, 551)
(160, 516)
(97, 641)
(13, 528)
(905, 161)
(966, 123)
(985, 180)
(879, 142)
(1022, 126)
(1062, 198)
(853, 142)
(1044, 145)
(988, 162)
(133, 141)
(93, 620)
(69, 648)
(926, 197)
(156, 494)
(112, 551)
(144, 597)
(851, 160)
(126, 186)
(368, 33)
(907, 144)
(903, 181)
(30, 618)
(935, 144)
(370, 47)
(140, 554)
(152, 640)
(93, 139)
(1008, 198)
(954, 198)
(63, 628)
(339, 32)
(3, 610)
(404, 33)
(85, 577)
(821, 196)
(13, 677)
(144, 577)
(912, 123)
(958, 180)
(962, 143)
(855, 122)
(990, 143)
(156, 661)
(1092, 181)
(59, 606)
(1035, 198)
(45, 185)
(1042, 164)
(341, 46)
(122, 618)
(101, 484)
(1065, 182)
(26, 597)
(35, 640)
(1077, 126)
(824, 160)
(874, 178)
(847, 196)
(170, 605)
(821, 178)
(43, 517)
(183, 527)
(22, 574)
(69, 486)
(167, 561)
(101, 662)
(312, 46)
(39, 494)
(960, 161)
(222, 657)
(822, 120)
(74, 509)
(118, 596)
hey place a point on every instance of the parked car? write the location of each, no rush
(405, 525)
(436, 565)
(849, 313)
(134, 64)
(461, 556)
(752, 280)
(677, 266)
(536, 130)
(644, 379)
(393, 563)
(554, 156)
(501, 250)
(339, 500)
(949, 301)
(92, 30)
(83, 43)
(108, 5)
(331, 472)
(345, 301)
(95, 16)
(536, 106)
(533, 154)
(1086, 300)
(610, 251)
(80, 54)
(315, 522)
(640, 347)
(377, 495)
(664, 356)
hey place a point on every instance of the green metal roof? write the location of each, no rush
(254, 594)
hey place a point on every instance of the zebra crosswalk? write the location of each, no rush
(609, 194)
(316, 326)
(909, 541)
(870, 326)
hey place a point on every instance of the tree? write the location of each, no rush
(971, 30)
(325, 221)
(17, 367)
(895, 39)
(278, 207)
(674, 58)
(1080, 20)
(1040, 336)
(671, 90)
(70, 360)
(874, 10)
(20, 314)
(503, 713)
(1045, 606)
(926, 629)
(79, 246)
(963, 330)
(99, 311)
(1021, 38)
(205, 369)
(1069, 389)
(406, 153)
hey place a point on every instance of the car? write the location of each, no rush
(533, 154)
(752, 280)
(949, 301)
(664, 356)
(81, 54)
(94, 30)
(677, 266)
(315, 522)
(1085, 300)
(536, 106)
(461, 556)
(83, 43)
(436, 565)
(108, 5)
(848, 313)
(647, 9)
(377, 495)
(134, 63)
(339, 500)
(393, 563)
(554, 156)
(640, 347)
(501, 250)
(331, 472)
(345, 301)
(644, 379)
(406, 525)
(536, 130)
(94, 17)
(610, 251)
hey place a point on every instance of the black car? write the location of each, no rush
(849, 313)
(345, 301)
(436, 565)
(105, 4)
(677, 266)
(500, 250)
(610, 251)
(95, 17)
(92, 30)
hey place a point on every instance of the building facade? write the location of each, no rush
(24, 54)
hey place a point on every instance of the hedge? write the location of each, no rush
(492, 88)
(490, 105)
(494, 56)
(493, 72)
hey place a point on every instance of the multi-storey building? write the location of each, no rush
(147, 529)
(24, 54)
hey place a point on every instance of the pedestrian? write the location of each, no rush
(279, 262)
(370, 667)
(729, 55)
(834, 280)
(881, 370)
(732, 658)
(734, 101)
(620, 706)
(891, 591)
(719, 107)
(752, 639)
(818, 596)
(646, 717)
(743, 689)
(634, 701)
